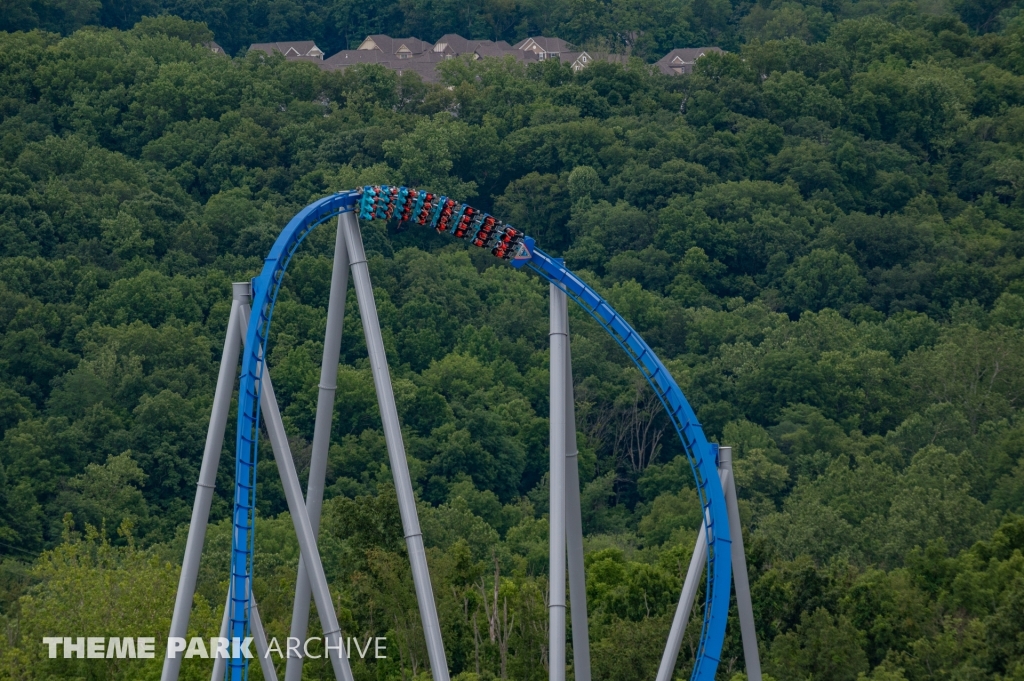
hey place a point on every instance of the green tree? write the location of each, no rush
(822, 279)
(822, 645)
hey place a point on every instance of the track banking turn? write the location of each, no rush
(505, 242)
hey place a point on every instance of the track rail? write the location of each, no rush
(508, 243)
(265, 288)
(701, 453)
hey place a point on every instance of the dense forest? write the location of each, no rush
(643, 28)
(821, 232)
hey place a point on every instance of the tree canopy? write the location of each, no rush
(819, 232)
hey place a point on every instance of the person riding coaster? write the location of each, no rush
(443, 214)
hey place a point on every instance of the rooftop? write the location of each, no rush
(680, 60)
(291, 50)
(419, 56)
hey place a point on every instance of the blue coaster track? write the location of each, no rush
(507, 243)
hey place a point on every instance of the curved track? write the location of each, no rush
(505, 242)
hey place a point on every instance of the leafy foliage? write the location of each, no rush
(820, 234)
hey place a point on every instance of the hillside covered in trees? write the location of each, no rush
(821, 232)
(644, 28)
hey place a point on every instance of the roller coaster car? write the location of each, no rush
(484, 232)
(427, 209)
(403, 207)
(463, 222)
(507, 243)
(370, 196)
(403, 204)
(445, 217)
(484, 223)
(380, 202)
(406, 214)
(481, 239)
(392, 202)
(435, 211)
(474, 227)
(457, 216)
(416, 201)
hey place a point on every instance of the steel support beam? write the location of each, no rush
(219, 663)
(667, 668)
(559, 336)
(740, 579)
(207, 480)
(321, 438)
(260, 637)
(300, 519)
(396, 447)
(741, 583)
(574, 531)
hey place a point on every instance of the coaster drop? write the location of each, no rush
(718, 552)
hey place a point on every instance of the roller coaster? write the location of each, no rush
(718, 553)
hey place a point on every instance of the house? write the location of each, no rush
(578, 61)
(501, 49)
(412, 54)
(544, 48)
(348, 57)
(541, 48)
(345, 58)
(300, 50)
(214, 47)
(423, 64)
(452, 45)
(397, 48)
(681, 60)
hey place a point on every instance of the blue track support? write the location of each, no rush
(264, 295)
(700, 452)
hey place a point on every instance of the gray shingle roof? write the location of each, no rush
(350, 57)
(680, 60)
(542, 44)
(387, 51)
(291, 50)
(501, 49)
(424, 64)
(453, 43)
(389, 45)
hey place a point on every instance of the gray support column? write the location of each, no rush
(207, 482)
(300, 519)
(396, 447)
(574, 530)
(321, 438)
(260, 637)
(219, 663)
(682, 616)
(740, 582)
(258, 634)
(557, 552)
(740, 579)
